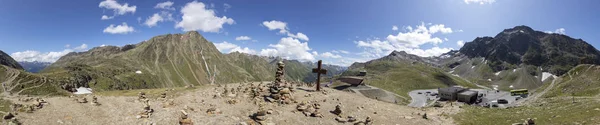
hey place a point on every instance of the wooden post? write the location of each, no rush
(319, 70)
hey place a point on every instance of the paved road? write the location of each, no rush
(420, 100)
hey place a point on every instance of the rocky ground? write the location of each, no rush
(124, 109)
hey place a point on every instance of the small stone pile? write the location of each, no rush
(338, 110)
(309, 109)
(163, 95)
(185, 120)
(147, 112)
(261, 115)
(367, 121)
(141, 96)
(95, 101)
(280, 90)
(81, 100)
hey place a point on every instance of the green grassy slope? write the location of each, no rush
(555, 107)
(402, 77)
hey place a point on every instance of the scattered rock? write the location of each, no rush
(351, 119)
(338, 110)
(340, 119)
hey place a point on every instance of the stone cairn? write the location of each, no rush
(185, 120)
(280, 90)
(308, 109)
(95, 101)
(147, 112)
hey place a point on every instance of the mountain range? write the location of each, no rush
(172, 60)
(518, 57)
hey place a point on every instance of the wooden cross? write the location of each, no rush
(319, 71)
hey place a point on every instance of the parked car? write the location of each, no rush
(419, 93)
(502, 101)
(518, 97)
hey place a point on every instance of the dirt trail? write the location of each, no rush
(11, 75)
(122, 110)
(536, 96)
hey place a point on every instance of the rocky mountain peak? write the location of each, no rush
(6, 60)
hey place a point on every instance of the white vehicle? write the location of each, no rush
(493, 103)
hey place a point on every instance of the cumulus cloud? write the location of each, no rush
(410, 41)
(276, 25)
(153, 20)
(394, 28)
(104, 17)
(165, 5)
(118, 29)
(289, 48)
(197, 17)
(439, 28)
(460, 43)
(299, 35)
(557, 31)
(119, 9)
(283, 29)
(158, 17)
(330, 55)
(32, 55)
(377, 48)
(226, 47)
(480, 1)
(419, 36)
(243, 38)
(82, 47)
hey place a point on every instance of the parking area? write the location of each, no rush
(420, 98)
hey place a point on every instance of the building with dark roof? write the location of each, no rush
(450, 93)
(468, 96)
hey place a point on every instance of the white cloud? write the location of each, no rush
(439, 28)
(299, 35)
(118, 29)
(226, 47)
(226, 6)
(283, 29)
(460, 43)
(409, 41)
(31, 55)
(330, 55)
(153, 20)
(68, 45)
(119, 9)
(377, 48)
(480, 1)
(243, 38)
(289, 48)
(104, 17)
(197, 17)
(557, 31)
(276, 25)
(344, 51)
(340, 51)
(103, 45)
(418, 36)
(165, 5)
(81, 48)
(394, 28)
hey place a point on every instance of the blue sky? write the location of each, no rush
(336, 31)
